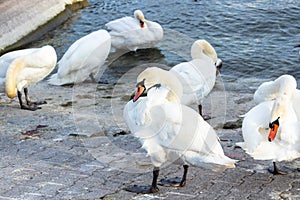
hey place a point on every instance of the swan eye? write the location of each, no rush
(271, 125)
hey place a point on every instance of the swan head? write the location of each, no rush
(154, 75)
(273, 129)
(157, 93)
(138, 14)
(201, 48)
(140, 90)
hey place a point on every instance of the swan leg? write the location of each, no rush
(92, 77)
(29, 102)
(183, 180)
(276, 171)
(205, 117)
(176, 182)
(26, 107)
(146, 189)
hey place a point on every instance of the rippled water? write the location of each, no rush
(255, 39)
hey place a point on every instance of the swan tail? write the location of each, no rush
(2, 85)
(54, 80)
(214, 162)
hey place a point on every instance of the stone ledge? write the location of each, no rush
(22, 23)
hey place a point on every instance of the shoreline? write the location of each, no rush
(18, 30)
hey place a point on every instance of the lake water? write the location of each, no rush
(255, 39)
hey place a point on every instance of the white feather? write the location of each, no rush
(127, 33)
(83, 58)
(170, 131)
(278, 98)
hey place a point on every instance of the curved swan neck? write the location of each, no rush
(11, 77)
(155, 75)
(138, 14)
(159, 93)
(286, 86)
(201, 47)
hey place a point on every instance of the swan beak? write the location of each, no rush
(274, 128)
(142, 23)
(139, 92)
(218, 66)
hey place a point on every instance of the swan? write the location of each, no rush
(130, 33)
(83, 59)
(25, 70)
(170, 131)
(271, 129)
(6, 60)
(197, 77)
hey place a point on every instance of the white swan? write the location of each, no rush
(129, 33)
(197, 77)
(28, 69)
(6, 60)
(271, 129)
(172, 132)
(83, 59)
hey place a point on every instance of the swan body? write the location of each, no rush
(170, 131)
(27, 70)
(278, 98)
(167, 128)
(6, 60)
(196, 77)
(130, 33)
(83, 59)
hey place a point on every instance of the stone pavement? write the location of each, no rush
(77, 147)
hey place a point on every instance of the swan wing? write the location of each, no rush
(124, 24)
(181, 128)
(8, 58)
(84, 57)
(180, 132)
(38, 64)
(296, 105)
(198, 78)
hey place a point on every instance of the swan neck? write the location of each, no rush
(11, 77)
(201, 48)
(139, 15)
(286, 88)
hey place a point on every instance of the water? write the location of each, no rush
(254, 39)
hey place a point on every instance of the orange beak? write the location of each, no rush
(274, 128)
(139, 92)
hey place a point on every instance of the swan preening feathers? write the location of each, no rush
(83, 59)
(26, 67)
(130, 33)
(170, 131)
(271, 129)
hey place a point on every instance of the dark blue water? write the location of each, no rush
(255, 39)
